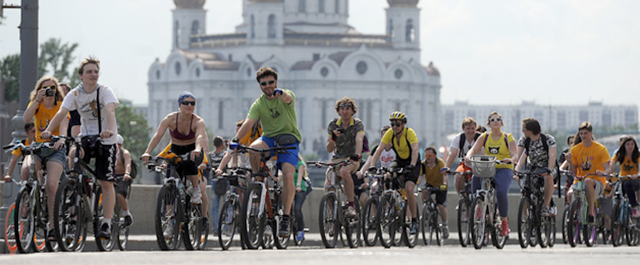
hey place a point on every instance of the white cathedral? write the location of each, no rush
(316, 53)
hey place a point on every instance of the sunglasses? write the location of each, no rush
(496, 119)
(185, 103)
(345, 105)
(429, 155)
(270, 82)
(49, 87)
(396, 124)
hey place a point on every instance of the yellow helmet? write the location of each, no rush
(397, 115)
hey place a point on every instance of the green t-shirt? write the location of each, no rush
(295, 177)
(276, 116)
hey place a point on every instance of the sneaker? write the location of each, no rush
(545, 211)
(445, 231)
(105, 231)
(505, 228)
(414, 228)
(196, 196)
(128, 220)
(635, 213)
(300, 236)
(591, 220)
(284, 228)
(351, 212)
(168, 231)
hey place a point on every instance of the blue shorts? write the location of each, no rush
(50, 154)
(290, 157)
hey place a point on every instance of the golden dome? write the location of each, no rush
(403, 3)
(189, 4)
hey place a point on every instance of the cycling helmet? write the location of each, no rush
(397, 115)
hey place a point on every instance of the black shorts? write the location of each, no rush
(187, 167)
(105, 159)
(122, 187)
(441, 196)
(408, 177)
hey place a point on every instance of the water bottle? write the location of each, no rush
(180, 189)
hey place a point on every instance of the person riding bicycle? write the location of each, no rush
(96, 105)
(405, 145)
(434, 176)
(276, 110)
(459, 147)
(386, 158)
(562, 159)
(124, 167)
(30, 131)
(346, 135)
(501, 145)
(629, 157)
(540, 149)
(588, 156)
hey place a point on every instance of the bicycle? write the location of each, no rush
(533, 228)
(262, 206)
(32, 221)
(369, 225)
(122, 229)
(622, 224)
(78, 202)
(175, 214)
(391, 216)
(332, 217)
(429, 221)
(565, 214)
(577, 215)
(229, 218)
(465, 199)
(486, 216)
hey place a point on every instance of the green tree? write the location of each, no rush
(57, 58)
(10, 75)
(134, 130)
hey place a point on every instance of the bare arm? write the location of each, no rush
(415, 154)
(552, 158)
(225, 160)
(111, 121)
(12, 166)
(359, 139)
(245, 128)
(157, 136)
(452, 157)
(609, 169)
(127, 164)
(376, 156)
(475, 149)
(520, 163)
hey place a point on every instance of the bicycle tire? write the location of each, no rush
(617, 225)
(565, 225)
(632, 231)
(552, 238)
(425, 225)
(122, 231)
(69, 215)
(103, 244)
(524, 222)
(386, 220)
(251, 225)
(369, 231)
(227, 220)
(353, 227)
(590, 235)
(192, 228)
(573, 228)
(544, 229)
(280, 242)
(328, 220)
(479, 222)
(9, 231)
(497, 238)
(42, 225)
(168, 214)
(464, 233)
(24, 224)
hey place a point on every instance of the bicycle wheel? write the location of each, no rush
(293, 222)
(552, 237)
(280, 242)
(353, 227)
(226, 224)
(464, 234)
(386, 221)
(328, 220)
(617, 225)
(192, 229)
(573, 224)
(69, 216)
(497, 238)
(524, 222)
(24, 223)
(369, 231)
(251, 224)
(168, 218)
(565, 224)
(104, 244)
(590, 235)
(428, 230)
(122, 231)
(544, 230)
(9, 231)
(479, 222)
(632, 231)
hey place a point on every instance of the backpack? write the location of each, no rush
(527, 143)
(463, 138)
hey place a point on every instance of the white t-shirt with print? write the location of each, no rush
(85, 103)
(455, 144)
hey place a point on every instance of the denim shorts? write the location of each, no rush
(50, 154)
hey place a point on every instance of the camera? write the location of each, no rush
(48, 92)
(340, 129)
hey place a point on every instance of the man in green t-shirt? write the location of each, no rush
(275, 109)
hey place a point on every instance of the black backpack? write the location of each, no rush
(527, 143)
(463, 138)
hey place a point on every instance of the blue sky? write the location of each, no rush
(488, 52)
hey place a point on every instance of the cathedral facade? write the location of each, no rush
(316, 53)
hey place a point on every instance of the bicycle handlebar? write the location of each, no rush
(328, 164)
(277, 149)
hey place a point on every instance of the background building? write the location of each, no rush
(316, 53)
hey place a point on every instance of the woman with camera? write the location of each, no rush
(46, 99)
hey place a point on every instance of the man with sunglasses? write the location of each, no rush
(404, 143)
(346, 135)
(276, 110)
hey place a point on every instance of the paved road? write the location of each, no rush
(561, 254)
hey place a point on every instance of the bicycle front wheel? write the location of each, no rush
(478, 223)
(328, 220)
(251, 224)
(369, 231)
(281, 242)
(427, 228)
(122, 231)
(463, 222)
(497, 238)
(352, 227)
(103, 243)
(9, 231)
(167, 219)
(573, 224)
(386, 220)
(524, 222)
(24, 223)
(193, 232)
(227, 224)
